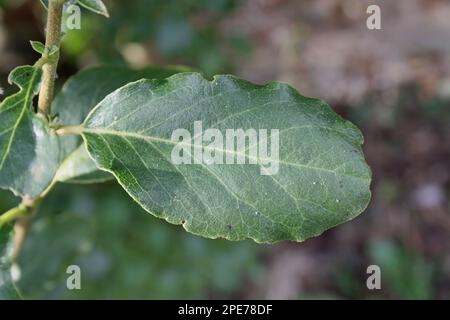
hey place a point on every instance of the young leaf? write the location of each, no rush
(96, 6)
(45, 3)
(79, 95)
(38, 46)
(322, 179)
(8, 290)
(53, 50)
(29, 153)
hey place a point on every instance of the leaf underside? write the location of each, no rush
(322, 181)
(78, 167)
(29, 153)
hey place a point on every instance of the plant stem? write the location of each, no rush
(53, 38)
(21, 228)
(13, 214)
(22, 215)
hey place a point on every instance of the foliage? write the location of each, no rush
(407, 275)
(84, 225)
(8, 289)
(126, 125)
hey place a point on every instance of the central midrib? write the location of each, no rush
(101, 131)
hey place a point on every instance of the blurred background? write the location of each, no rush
(393, 83)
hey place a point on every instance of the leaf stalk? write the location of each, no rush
(14, 213)
(70, 130)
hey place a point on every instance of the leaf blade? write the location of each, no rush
(38, 46)
(129, 134)
(29, 152)
(44, 3)
(96, 6)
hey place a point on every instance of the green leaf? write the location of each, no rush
(96, 6)
(38, 46)
(322, 179)
(77, 98)
(78, 167)
(8, 290)
(29, 152)
(45, 3)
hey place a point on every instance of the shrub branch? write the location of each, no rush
(53, 39)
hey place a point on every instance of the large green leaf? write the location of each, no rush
(322, 179)
(29, 152)
(8, 290)
(79, 95)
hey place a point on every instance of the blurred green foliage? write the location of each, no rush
(406, 274)
(124, 252)
(183, 32)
